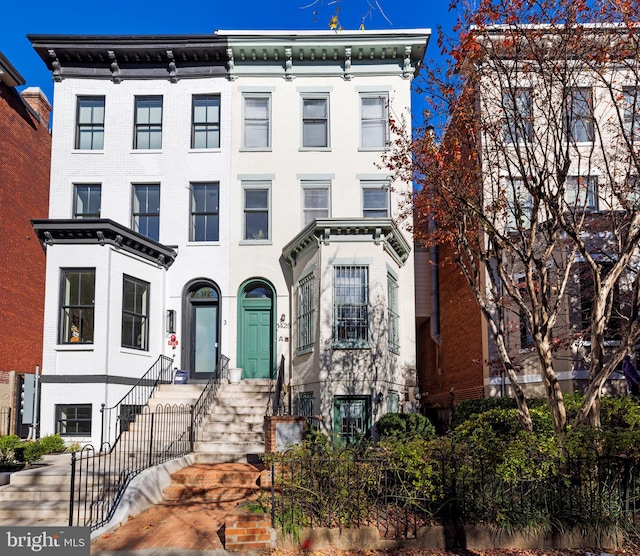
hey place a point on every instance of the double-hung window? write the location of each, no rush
(77, 305)
(581, 192)
(90, 123)
(632, 113)
(579, 120)
(315, 121)
(205, 126)
(351, 306)
(374, 121)
(73, 420)
(205, 211)
(257, 221)
(393, 316)
(305, 312)
(520, 205)
(148, 123)
(518, 115)
(256, 126)
(375, 199)
(146, 210)
(87, 200)
(135, 313)
(315, 200)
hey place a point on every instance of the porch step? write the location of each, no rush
(241, 448)
(33, 511)
(235, 436)
(213, 483)
(34, 493)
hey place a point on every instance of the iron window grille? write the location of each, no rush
(305, 313)
(351, 306)
(393, 316)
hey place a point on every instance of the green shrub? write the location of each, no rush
(466, 409)
(52, 444)
(8, 445)
(33, 451)
(405, 426)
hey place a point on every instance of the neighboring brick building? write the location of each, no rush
(25, 155)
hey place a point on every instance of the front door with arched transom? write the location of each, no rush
(202, 326)
(256, 330)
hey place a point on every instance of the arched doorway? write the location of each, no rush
(256, 329)
(201, 328)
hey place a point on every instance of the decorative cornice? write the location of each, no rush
(379, 231)
(102, 231)
(233, 54)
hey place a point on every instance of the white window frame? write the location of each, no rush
(245, 119)
(393, 313)
(580, 96)
(368, 185)
(574, 193)
(257, 185)
(309, 96)
(94, 125)
(315, 185)
(384, 120)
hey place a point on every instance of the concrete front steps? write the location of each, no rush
(38, 496)
(234, 430)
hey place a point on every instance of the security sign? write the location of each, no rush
(173, 341)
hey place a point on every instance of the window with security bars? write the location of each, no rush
(305, 312)
(205, 125)
(90, 123)
(351, 306)
(305, 404)
(135, 312)
(393, 317)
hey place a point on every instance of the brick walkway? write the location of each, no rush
(193, 514)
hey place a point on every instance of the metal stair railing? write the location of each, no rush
(147, 437)
(200, 409)
(274, 406)
(116, 419)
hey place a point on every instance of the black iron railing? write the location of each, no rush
(208, 396)
(116, 419)
(352, 488)
(275, 406)
(145, 437)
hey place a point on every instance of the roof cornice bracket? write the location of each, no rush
(407, 68)
(55, 66)
(115, 68)
(347, 63)
(231, 66)
(288, 64)
(173, 70)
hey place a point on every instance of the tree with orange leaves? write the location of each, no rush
(533, 181)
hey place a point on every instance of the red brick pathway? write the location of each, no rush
(193, 520)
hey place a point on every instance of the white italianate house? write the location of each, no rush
(220, 195)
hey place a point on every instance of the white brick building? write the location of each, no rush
(223, 190)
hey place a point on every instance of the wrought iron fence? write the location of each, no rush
(144, 436)
(366, 487)
(5, 420)
(116, 419)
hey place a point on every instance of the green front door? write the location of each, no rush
(257, 342)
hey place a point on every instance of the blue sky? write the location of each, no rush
(122, 17)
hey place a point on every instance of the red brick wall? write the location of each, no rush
(459, 361)
(25, 155)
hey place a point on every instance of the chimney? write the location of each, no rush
(37, 101)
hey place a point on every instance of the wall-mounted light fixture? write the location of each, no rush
(378, 399)
(171, 321)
